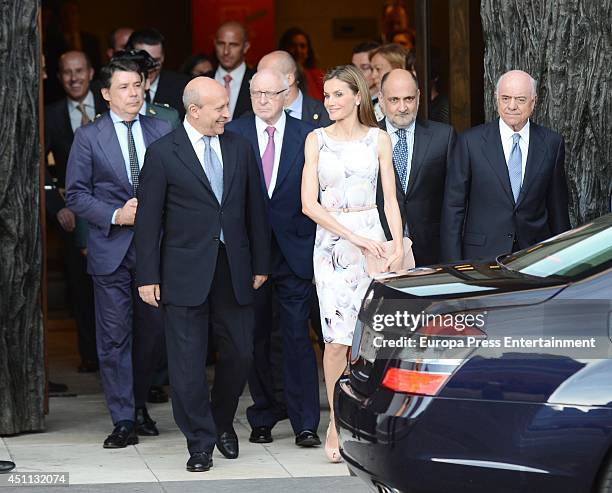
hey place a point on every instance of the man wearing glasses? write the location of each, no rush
(361, 60)
(505, 182)
(278, 141)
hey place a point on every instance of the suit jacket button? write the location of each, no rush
(509, 235)
(215, 238)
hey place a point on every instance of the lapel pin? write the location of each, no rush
(316, 116)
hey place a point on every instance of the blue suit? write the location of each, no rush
(290, 286)
(97, 184)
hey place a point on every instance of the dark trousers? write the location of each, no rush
(288, 296)
(201, 416)
(80, 289)
(128, 333)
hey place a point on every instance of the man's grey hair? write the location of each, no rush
(277, 73)
(534, 84)
(191, 96)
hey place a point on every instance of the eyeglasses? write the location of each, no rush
(520, 100)
(266, 94)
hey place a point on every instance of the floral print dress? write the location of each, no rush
(347, 171)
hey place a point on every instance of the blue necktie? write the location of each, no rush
(214, 172)
(400, 157)
(514, 166)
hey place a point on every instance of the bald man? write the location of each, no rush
(117, 40)
(297, 105)
(200, 192)
(231, 46)
(278, 142)
(420, 152)
(505, 187)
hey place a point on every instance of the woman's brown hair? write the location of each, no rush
(354, 79)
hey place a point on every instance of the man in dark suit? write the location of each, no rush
(101, 183)
(165, 86)
(278, 142)
(420, 152)
(505, 184)
(231, 45)
(62, 118)
(298, 105)
(201, 192)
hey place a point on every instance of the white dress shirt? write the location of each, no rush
(506, 134)
(296, 106)
(197, 143)
(262, 140)
(153, 89)
(237, 76)
(76, 115)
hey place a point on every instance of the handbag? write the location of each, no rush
(375, 265)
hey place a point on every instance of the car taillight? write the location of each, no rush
(414, 382)
(440, 350)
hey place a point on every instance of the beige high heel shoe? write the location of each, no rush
(333, 454)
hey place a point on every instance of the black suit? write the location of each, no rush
(170, 90)
(421, 205)
(59, 134)
(58, 140)
(314, 112)
(199, 275)
(243, 103)
(480, 218)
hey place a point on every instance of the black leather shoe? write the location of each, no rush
(121, 437)
(145, 426)
(261, 434)
(199, 462)
(6, 466)
(227, 443)
(307, 438)
(157, 395)
(57, 388)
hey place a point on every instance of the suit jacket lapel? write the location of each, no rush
(109, 143)
(289, 150)
(184, 151)
(65, 123)
(251, 135)
(228, 154)
(494, 153)
(148, 131)
(535, 155)
(422, 139)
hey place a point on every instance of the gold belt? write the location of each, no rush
(351, 209)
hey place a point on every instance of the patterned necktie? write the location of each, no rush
(400, 157)
(134, 168)
(514, 166)
(267, 160)
(84, 116)
(227, 78)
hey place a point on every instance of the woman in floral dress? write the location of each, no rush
(339, 194)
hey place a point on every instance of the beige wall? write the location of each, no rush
(315, 17)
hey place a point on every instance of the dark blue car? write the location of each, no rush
(486, 377)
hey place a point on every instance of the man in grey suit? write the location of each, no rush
(298, 104)
(420, 153)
